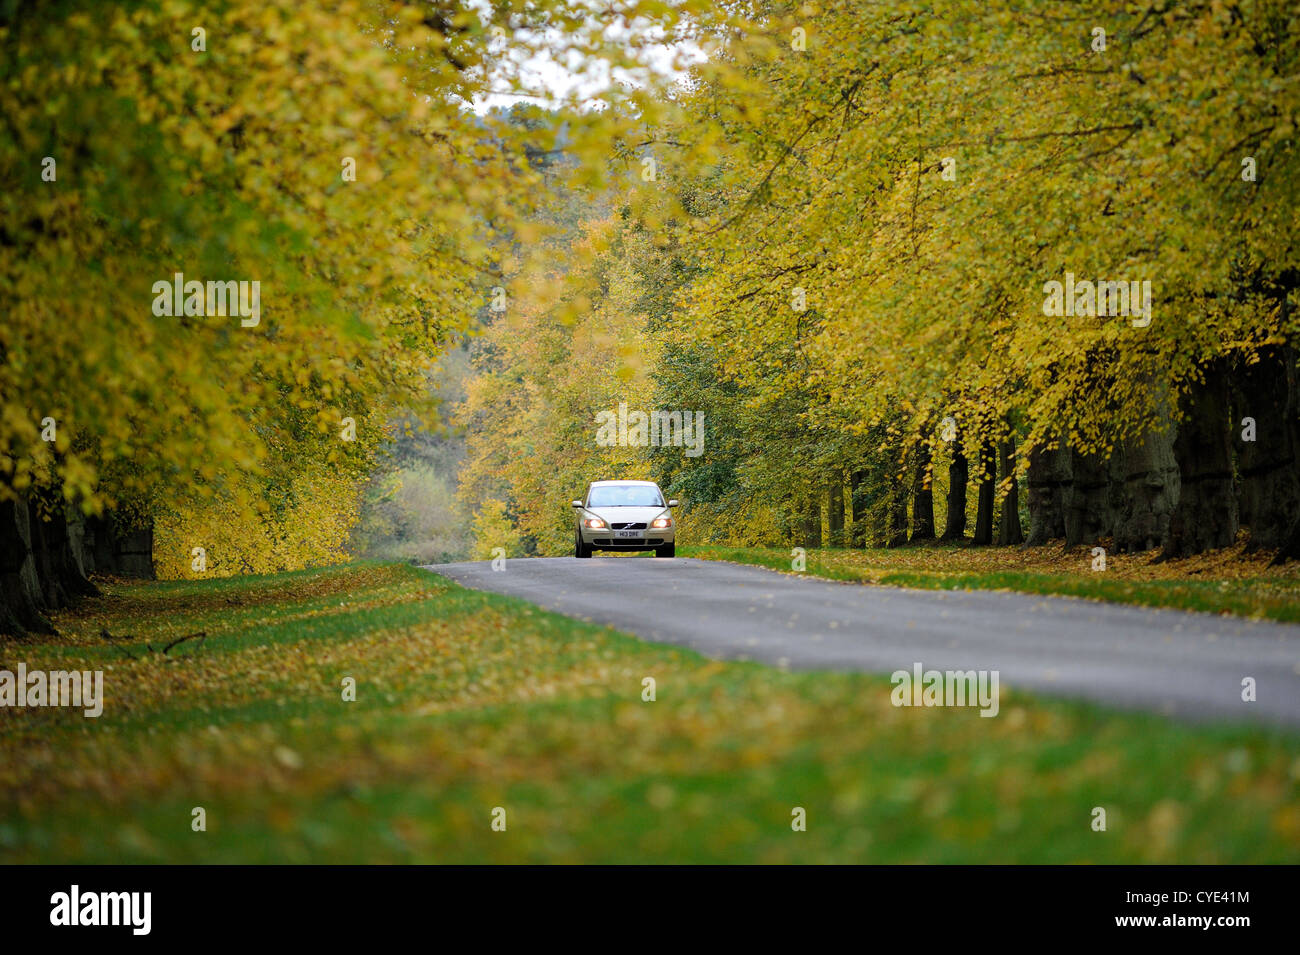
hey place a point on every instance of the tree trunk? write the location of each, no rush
(64, 537)
(1009, 531)
(117, 548)
(1146, 490)
(135, 552)
(1268, 465)
(835, 518)
(1089, 515)
(44, 547)
(858, 504)
(897, 515)
(880, 522)
(812, 523)
(80, 544)
(22, 601)
(1206, 515)
(98, 544)
(922, 496)
(1290, 547)
(56, 545)
(984, 507)
(958, 476)
(1049, 480)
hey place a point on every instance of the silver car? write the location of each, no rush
(624, 515)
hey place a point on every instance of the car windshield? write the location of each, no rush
(625, 495)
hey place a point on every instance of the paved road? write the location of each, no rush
(1182, 664)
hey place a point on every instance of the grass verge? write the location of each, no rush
(1226, 582)
(467, 701)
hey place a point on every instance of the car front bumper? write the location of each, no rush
(607, 539)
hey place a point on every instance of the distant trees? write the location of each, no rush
(544, 369)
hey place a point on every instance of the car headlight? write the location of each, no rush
(662, 522)
(594, 522)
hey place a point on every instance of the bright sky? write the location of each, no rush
(552, 81)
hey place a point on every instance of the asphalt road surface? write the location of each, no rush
(1187, 665)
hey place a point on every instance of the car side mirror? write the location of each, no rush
(672, 502)
(576, 503)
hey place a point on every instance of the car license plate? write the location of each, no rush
(627, 533)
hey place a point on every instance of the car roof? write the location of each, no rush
(600, 483)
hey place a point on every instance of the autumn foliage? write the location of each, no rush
(329, 153)
(863, 255)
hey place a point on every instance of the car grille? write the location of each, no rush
(626, 542)
(628, 527)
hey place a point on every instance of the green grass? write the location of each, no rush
(1266, 596)
(468, 701)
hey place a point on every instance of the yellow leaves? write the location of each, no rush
(494, 533)
(227, 119)
(242, 533)
(78, 478)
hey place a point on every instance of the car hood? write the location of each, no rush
(634, 515)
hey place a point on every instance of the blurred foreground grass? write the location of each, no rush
(468, 701)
